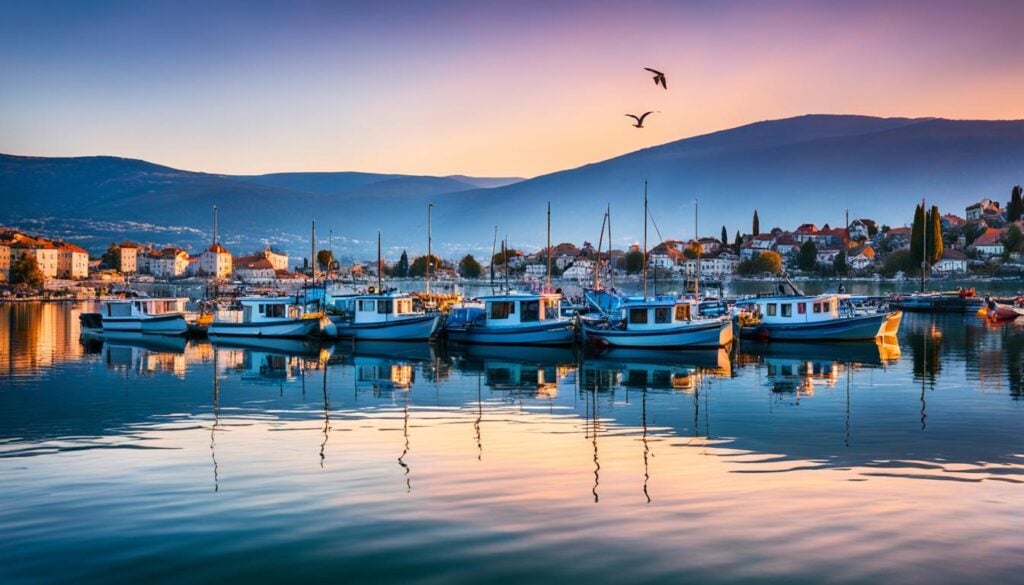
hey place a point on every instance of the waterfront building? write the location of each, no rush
(757, 244)
(126, 257)
(5, 263)
(278, 260)
(990, 243)
(215, 261)
(254, 270)
(952, 262)
(72, 261)
(168, 263)
(860, 229)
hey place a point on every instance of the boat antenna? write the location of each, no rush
(645, 239)
(312, 256)
(549, 249)
(924, 241)
(380, 276)
(504, 258)
(430, 211)
(494, 246)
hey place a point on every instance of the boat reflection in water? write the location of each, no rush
(384, 366)
(270, 359)
(145, 353)
(800, 367)
(680, 370)
(529, 371)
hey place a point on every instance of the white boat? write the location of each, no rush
(269, 317)
(383, 317)
(512, 318)
(160, 316)
(657, 323)
(827, 317)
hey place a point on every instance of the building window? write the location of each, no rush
(771, 309)
(787, 309)
(502, 309)
(638, 316)
(662, 315)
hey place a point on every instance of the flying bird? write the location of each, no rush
(659, 77)
(639, 119)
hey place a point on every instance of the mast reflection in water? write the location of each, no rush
(824, 460)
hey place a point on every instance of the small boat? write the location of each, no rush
(998, 312)
(511, 318)
(159, 316)
(814, 318)
(658, 323)
(383, 317)
(961, 301)
(269, 317)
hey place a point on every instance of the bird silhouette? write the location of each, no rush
(639, 119)
(659, 77)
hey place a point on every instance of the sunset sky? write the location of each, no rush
(483, 88)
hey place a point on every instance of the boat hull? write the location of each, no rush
(412, 329)
(173, 324)
(554, 333)
(940, 303)
(711, 334)
(294, 328)
(858, 328)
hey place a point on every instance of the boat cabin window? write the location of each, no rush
(500, 309)
(119, 310)
(801, 308)
(638, 316)
(787, 309)
(293, 312)
(384, 307)
(367, 306)
(662, 315)
(403, 306)
(817, 307)
(771, 309)
(682, 312)
(272, 310)
(531, 311)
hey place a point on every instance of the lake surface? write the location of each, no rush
(165, 461)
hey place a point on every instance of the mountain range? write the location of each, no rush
(805, 169)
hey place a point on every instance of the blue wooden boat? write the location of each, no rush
(383, 317)
(941, 302)
(512, 318)
(827, 317)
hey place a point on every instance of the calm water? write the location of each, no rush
(160, 461)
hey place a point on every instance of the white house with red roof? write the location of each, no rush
(990, 243)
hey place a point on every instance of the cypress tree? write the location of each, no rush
(725, 237)
(1015, 209)
(737, 242)
(916, 231)
(935, 245)
(757, 225)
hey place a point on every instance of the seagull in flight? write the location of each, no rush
(639, 119)
(659, 77)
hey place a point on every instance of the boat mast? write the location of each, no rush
(504, 257)
(696, 238)
(312, 254)
(924, 241)
(611, 274)
(430, 211)
(548, 289)
(494, 246)
(645, 239)
(379, 271)
(600, 243)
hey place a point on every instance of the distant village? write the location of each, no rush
(986, 241)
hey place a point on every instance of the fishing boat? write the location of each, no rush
(999, 312)
(659, 323)
(960, 301)
(389, 316)
(270, 317)
(159, 316)
(510, 318)
(826, 317)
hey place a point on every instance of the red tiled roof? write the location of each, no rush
(992, 237)
(218, 249)
(950, 254)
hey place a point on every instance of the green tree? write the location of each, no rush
(402, 266)
(769, 262)
(807, 257)
(693, 249)
(111, 258)
(324, 258)
(469, 267)
(872, 230)
(725, 236)
(916, 237)
(418, 269)
(499, 259)
(634, 261)
(757, 225)
(737, 243)
(971, 232)
(934, 236)
(898, 261)
(1015, 208)
(1014, 241)
(839, 264)
(25, 270)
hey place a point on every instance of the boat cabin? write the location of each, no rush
(520, 309)
(378, 308)
(782, 310)
(268, 309)
(142, 308)
(654, 314)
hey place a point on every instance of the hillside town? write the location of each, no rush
(986, 241)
